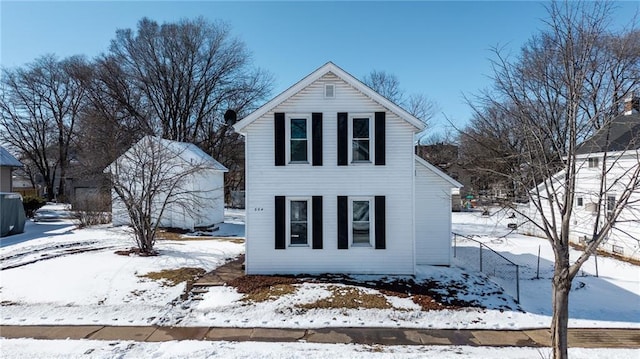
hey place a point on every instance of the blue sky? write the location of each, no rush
(440, 49)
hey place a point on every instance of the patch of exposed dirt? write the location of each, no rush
(429, 295)
(349, 298)
(254, 283)
(136, 251)
(172, 277)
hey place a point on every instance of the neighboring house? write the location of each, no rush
(619, 145)
(7, 164)
(333, 185)
(203, 190)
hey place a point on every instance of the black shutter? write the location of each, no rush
(343, 138)
(280, 223)
(316, 136)
(317, 221)
(380, 138)
(279, 138)
(343, 223)
(380, 224)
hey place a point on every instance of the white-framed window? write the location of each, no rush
(361, 220)
(579, 202)
(298, 133)
(329, 90)
(610, 204)
(361, 127)
(593, 162)
(298, 221)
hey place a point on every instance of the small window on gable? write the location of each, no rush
(329, 91)
(579, 202)
(593, 162)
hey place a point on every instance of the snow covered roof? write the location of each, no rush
(329, 67)
(188, 152)
(7, 160)
(192, 153)
(438, 172)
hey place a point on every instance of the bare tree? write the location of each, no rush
(176, 80)
(155, 176)
(40, 106)
(565, 85)
(388, 85)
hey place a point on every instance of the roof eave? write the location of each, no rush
(437, 171)
(314, 76)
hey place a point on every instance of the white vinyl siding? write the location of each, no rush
(394, 181)
(433, 217)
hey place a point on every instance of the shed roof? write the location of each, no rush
(7, 160)
(188, 152)
(329, 67)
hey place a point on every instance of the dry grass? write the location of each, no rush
(349, 298)
(269, 293)
(172, 277)
(165, 235)
(260, 288)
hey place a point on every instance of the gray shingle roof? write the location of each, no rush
(7, 160)
(623, 133)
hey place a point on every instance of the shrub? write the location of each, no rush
(32, 204)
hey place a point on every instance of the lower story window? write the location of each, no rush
(361, 223)
(299, 224)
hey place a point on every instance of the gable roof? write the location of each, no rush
(188, 152)
(329, 67)
(438, 172)
(7, 160)
(623, 133)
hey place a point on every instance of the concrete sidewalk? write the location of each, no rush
(584, 338)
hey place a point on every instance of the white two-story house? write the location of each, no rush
(333, 185)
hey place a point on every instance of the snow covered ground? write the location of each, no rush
(68, 276)
(67, 349)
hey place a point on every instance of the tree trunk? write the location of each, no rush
(561, 286)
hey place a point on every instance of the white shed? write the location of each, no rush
(199, 202)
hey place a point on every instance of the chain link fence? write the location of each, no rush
(471, 254)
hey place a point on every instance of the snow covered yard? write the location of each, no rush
(71, 276)
(607, 300)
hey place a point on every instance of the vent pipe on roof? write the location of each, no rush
(230, 117)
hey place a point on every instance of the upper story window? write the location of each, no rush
(297, 138)
(298, 134)
(361, 129)
(361, 138)
(593, 162)
(579, 202)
